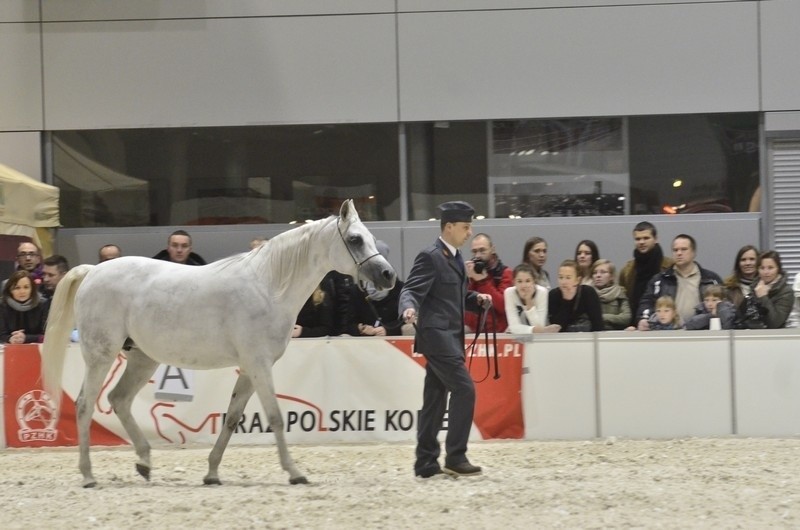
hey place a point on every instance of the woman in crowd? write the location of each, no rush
(745, 273)
(613, 298)
(586, 254)
(771, 299)
(535, 254)
(526, 304)
(23, 313)
(571, 305)
(316, 318)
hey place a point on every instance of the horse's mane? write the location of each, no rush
(278, 260)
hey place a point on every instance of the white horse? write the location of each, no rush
(238, 311)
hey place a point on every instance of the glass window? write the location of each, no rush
(225, 175)
(559, 168)
(693, 163)
(446, 161)
(586, 166)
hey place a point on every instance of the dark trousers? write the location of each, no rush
(445, 374)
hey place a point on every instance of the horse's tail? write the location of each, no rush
(60, 323)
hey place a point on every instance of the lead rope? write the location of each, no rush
(470, 351)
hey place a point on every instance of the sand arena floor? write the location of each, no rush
(692, 483)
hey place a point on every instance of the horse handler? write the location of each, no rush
(436, 294)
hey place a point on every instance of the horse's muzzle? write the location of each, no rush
(380, 273)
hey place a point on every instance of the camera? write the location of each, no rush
(480, 265)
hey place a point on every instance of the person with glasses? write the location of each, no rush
(488, 275)
(29, 259)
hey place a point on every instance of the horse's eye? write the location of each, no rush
(355, 240)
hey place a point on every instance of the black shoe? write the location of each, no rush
(428, 473)
(464, 469)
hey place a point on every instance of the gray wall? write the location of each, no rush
(116, 63)
(718, 238)
(156, 63)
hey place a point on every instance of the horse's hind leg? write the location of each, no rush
(137, 372)
(265, 388)
(241, 395)
(96, 371)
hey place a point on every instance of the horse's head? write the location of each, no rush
(357, 255)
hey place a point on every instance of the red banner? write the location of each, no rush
(498, 404)
(30, 416)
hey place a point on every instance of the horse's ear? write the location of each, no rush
(347, 209)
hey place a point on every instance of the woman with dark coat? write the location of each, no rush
(769, 304)
(571, 305)
(23, 313)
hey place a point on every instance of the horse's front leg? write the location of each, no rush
(241, 395)
(265, 388)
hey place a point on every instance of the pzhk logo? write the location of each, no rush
(36, 416)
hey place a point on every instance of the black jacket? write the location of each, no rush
(364, 311)
(666, 284)
(32, 321)
(194, 259)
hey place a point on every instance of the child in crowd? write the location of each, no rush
(665, 317)
(715, 305)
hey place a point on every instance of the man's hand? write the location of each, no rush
(485, 300)
(410, 316)
(644, 325)
(471, 274)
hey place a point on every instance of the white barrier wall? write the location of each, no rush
(576, 386)
(767, 383)
(662, 384)
(558, 387)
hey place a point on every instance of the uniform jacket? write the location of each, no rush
(437, 289)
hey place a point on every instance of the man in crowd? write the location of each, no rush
(29, 258)
(487, 275)
(53, 270)
(179, 250)
(108, 252)
(436, 292)
(648, 260)
(684, 282)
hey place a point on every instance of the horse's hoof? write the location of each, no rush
(90, 484)
(298, 480)
(143, 471)
(211, 481)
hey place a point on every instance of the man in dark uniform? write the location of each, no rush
(435, 294)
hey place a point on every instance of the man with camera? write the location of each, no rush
(487, 275)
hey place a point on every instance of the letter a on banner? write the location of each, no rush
(174, 384)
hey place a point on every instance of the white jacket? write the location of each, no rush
(521, 321)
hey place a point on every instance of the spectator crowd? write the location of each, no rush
(652, 291)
